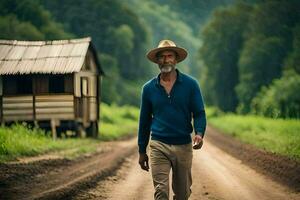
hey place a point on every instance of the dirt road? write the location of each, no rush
(223, 169)
(61, 178)
(216, 175)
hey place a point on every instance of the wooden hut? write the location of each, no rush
(55, 84)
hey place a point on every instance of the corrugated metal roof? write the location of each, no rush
(49, 57)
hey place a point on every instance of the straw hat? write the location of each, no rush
(167, 45)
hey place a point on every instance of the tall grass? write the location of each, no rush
(118, 122)
(280, 136)
(19, 140)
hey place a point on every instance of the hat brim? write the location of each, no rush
(181, 53)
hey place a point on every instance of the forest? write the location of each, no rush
(250, 55)
(244, 53)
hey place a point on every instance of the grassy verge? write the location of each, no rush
(19, 141)
(281, 136)
(118, 122)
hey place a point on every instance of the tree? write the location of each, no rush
(109, 87)
(123, 43)
(28, 20)
(268, 42)
(194, 12)
(12, 28)
(260, 62)
(293, 59)
(222, 42)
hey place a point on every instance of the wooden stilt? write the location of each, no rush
(53, 129)
(82, 132)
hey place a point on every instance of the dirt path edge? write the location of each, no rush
(88, 182)
(279, 168)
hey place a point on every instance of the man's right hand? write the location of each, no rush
(143, 161)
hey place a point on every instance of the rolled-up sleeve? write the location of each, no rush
(144, 121)
(198, 110)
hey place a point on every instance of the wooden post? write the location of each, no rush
(1, 111)
(33, 97)
(80, 132)
(36, 124)
(1, 100)
(53, 129)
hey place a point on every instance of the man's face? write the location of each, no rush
(166, 61)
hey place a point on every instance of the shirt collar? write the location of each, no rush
(178, 79)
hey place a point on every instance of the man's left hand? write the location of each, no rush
(197, 142)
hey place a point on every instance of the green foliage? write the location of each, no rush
(247, 46)
(194, 12)
(18, 141)
(123, 39)
(213, 112)
(118, 122)
(109, 93)
(222, 42)
(28, 20)
(12, 28)
(260, 62)
(116, 89)
(280, 98)
(275, 18)
(130, 92)
(267, 44)
(274, 135)
(293, 59)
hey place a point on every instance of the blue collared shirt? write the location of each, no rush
(169, 117)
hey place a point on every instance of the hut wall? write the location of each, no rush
(17, 108)
(54, 107)
(86, 96)
(46, 107)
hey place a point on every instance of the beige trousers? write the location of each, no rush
(163, 158)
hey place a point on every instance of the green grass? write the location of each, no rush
(19, 141)
(281, 136)
(118, 122)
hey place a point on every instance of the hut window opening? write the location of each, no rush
(56, 84)
(13, 85)
(24, 85)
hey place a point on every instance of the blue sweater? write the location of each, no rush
(169, 117)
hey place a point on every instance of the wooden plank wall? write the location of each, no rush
(54, 107)
(17, 108)
(47, 107)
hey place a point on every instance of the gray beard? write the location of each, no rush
(166, 68)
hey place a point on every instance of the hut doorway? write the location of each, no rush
(84, 100)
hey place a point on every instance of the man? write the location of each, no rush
(169, 102)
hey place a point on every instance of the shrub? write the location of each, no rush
(280, 99)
